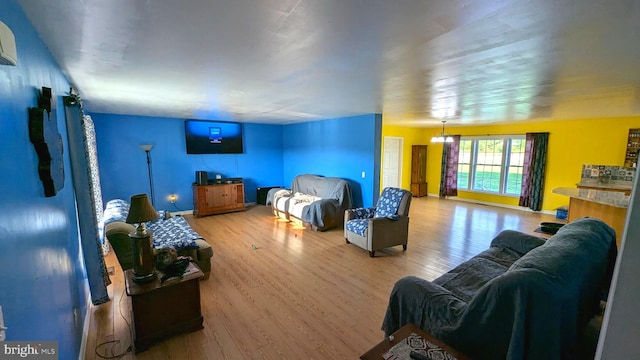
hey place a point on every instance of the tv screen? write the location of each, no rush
(213, 137)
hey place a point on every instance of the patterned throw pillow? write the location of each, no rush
(363, 213)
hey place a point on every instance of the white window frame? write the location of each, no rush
(506, 156)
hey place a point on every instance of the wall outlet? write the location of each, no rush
(363, 174)
(3, 329)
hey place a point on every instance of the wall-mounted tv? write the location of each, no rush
(213, 137)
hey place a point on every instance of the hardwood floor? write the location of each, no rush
(303, 294)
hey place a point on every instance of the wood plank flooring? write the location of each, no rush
(303, 294)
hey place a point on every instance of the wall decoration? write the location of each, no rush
(47, 141)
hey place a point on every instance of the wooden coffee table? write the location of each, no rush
(376, 352)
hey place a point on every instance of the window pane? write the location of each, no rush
(488, 166)
(513, 181)
(464, 164)
(463, 176)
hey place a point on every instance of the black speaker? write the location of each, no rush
(261, 194)
(201, 178)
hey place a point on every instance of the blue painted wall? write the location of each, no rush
(273, 155)
(123, 165)
(342, 147)
(43, 287)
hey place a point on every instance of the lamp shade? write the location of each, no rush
(141, 210)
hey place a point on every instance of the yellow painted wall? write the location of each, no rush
(411, 136)
(572, 143)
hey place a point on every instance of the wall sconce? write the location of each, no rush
(173, 198)
(8, 53)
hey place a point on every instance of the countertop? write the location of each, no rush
(612, 184)
(611, 198)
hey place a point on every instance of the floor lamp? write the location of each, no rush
(147, 149)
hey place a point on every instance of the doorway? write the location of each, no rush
(392, 161)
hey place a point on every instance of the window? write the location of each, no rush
(491, 164)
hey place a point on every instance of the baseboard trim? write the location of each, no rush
(190, 212)
(183, 212)
(520, 208)
(85, 330)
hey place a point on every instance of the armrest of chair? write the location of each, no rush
(117, 233)
(278, 193)
(416, 300)
(517, 241)
(271, 195)
(359, 213)
(388, 232)
(204, 255)
(397, 220)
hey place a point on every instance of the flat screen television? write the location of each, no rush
(213, 137)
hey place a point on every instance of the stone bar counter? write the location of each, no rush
(613, 185)
(608, 206)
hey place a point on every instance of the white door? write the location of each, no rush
(392, 162)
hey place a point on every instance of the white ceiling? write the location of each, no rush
(283, 61)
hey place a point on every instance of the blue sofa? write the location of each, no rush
(523, 298)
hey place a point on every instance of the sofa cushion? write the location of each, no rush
(468, 278)
(358, 226)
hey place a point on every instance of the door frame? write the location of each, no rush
(400, 158)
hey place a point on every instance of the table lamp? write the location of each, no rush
(141, 211)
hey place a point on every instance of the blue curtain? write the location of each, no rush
(535, 160)
(82, 162)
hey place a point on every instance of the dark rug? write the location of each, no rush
(539, 231)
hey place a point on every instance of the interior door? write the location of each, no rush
(392, 162)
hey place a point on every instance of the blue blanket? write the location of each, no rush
(172, 232)
(517, 300)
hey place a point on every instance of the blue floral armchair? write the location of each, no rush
(381, 227)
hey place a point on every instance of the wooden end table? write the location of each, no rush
(161, 310)
(376, 352)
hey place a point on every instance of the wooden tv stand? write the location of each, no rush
(217, 198)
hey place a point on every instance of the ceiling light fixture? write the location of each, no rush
(442, 138)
